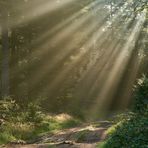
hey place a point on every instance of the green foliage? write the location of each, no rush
(141, 96)
(131, 133)
(34, 113)
(5, 137)
(70, 123)
(122, 117)
(132, 130)
(17, 124)
(8, 109)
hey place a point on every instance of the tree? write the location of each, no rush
(5, 51)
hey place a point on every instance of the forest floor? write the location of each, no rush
(85, 136)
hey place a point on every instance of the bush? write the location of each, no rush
(141, 96)
(128, 134)
(132, 130)
(17, 124)
(34, 113)
(8, 109)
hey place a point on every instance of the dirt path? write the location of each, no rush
(85, 136)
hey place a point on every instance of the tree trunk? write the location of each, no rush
(5, 54)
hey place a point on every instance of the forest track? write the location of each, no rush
(86, 136)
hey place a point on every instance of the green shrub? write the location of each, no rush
(128, 134)
(141, 96)
(70, 123)
(8, 109)
(34, 113)
(29, 123)
(132, 130)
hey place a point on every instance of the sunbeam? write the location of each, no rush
(71, 44)
(111, 83)
(111, 57)
(39, 8)
(69, 49)
(85, 36)
(58, 38)
(87, 46)
(73, 72)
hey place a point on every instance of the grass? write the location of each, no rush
(81, 135)
(29, 131)
(31, 124)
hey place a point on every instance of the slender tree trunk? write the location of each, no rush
(14, 64)
(5, 54)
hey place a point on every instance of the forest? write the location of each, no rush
(73, 73)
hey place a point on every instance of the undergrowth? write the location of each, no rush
(27, 124)
(132, 129)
